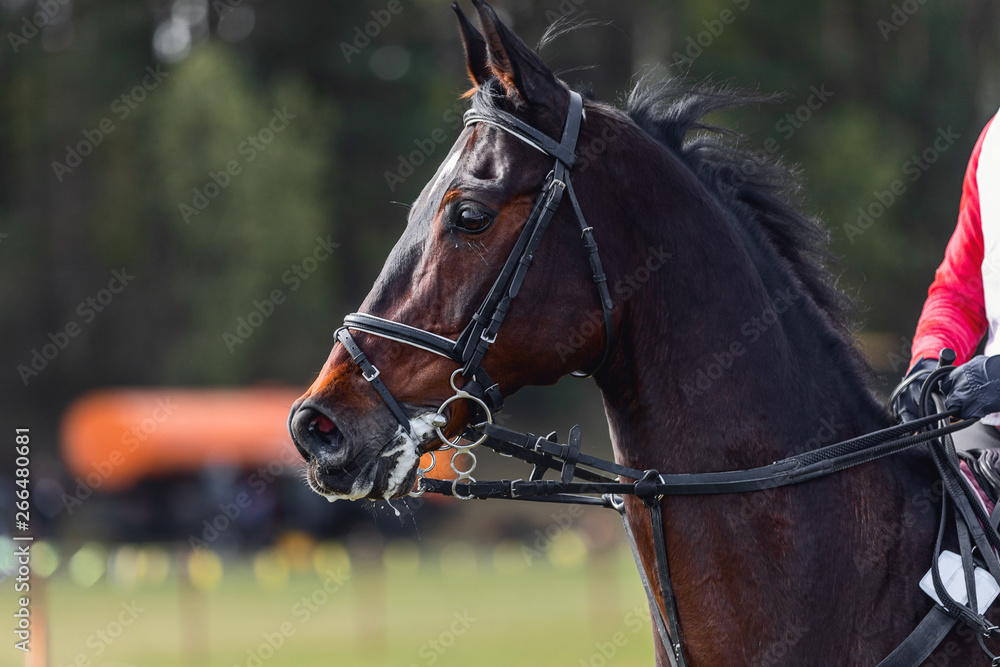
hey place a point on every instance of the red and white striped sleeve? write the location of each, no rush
(954, 314)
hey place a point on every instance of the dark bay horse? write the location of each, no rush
(730, 350)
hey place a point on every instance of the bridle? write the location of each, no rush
(483, 328)
(602, 482)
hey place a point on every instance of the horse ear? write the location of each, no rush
(475, 49)
(519, 69)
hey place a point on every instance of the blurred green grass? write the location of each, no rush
(404, 612)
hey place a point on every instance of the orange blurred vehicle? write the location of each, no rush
(112, 438)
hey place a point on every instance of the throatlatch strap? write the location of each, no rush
(600, 279)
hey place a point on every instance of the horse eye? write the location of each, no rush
(473, 221)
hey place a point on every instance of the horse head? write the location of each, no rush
(729, 359)
(442, 314)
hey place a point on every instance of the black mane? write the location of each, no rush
(756, 187)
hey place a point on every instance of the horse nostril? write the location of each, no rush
(323, 430)
(323, 424)
(315, 434)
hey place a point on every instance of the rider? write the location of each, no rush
(963, 304)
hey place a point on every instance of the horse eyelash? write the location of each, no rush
(480, 248)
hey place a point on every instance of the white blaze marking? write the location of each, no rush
(447, 168)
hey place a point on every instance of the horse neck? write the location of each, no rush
(725, 360)
(759, 388)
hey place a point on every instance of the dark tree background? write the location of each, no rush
(202, 150)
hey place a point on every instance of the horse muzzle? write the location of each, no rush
(384, 466)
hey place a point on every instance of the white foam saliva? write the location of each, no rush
(422, 428)
(360, 489)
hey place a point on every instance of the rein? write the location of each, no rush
(588, 480)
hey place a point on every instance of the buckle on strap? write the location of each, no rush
(647, 489)
(572, 454)
(371, 377)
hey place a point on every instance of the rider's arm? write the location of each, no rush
(954, 314)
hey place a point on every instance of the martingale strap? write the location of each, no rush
(651, 487)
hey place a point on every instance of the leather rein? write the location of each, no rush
(588, 480)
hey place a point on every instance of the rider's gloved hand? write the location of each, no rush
(974, 387)
(906, 405)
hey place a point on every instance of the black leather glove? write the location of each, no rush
(974, 387)
(907, 401)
